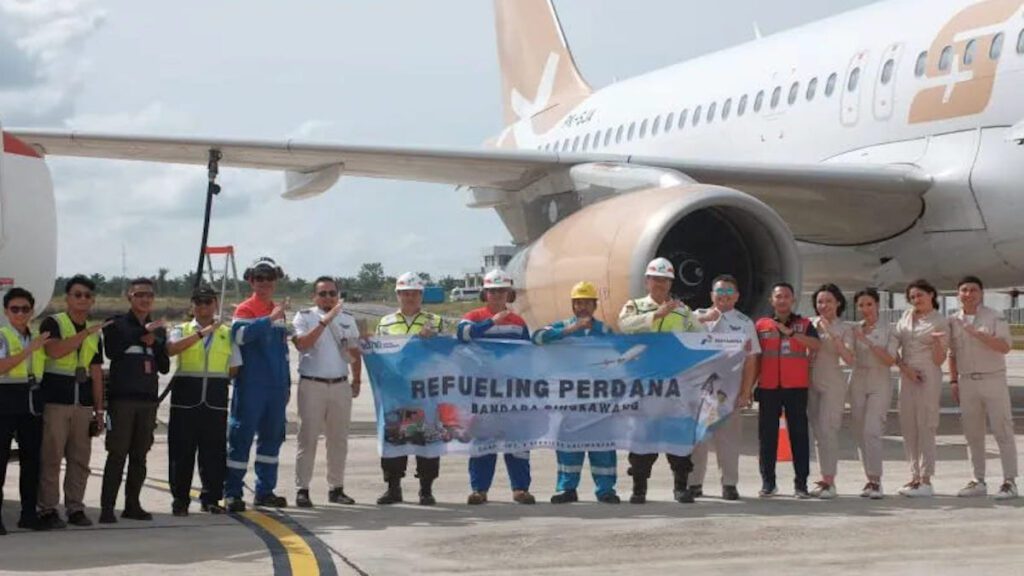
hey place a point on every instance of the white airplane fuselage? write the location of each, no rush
(949, 117)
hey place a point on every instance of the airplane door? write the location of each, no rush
(851, 85)
(885, 82)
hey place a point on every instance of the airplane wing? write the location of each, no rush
(869, 202)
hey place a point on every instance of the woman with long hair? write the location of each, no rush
(922, 333)
(874, 350)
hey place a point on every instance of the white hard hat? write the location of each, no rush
(661, 268)
(409, 281)
(497, 279)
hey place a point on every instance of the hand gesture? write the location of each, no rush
(825, 326)
(209, 329)
(666, 308)
(782, 329)
(277, 313)
(97, 327)
(427, 331)
(583, 324)
(332, 313)
(711, 315)
(39, 341)
(500, 316)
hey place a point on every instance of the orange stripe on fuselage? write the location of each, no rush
(13, 145)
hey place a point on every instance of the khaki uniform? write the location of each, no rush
(871, 395)
(983, 389)
(919, 402)
(827, 396)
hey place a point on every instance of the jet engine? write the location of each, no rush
(704, 230)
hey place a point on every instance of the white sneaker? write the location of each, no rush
(907, 487)
(826, 491)
(1007, 491)
(872, 491)
(920, 490)
(973, 489)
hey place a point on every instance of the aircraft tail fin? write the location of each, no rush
(537, 68)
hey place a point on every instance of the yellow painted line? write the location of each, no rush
(300, 555)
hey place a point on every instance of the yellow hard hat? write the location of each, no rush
(584, 290)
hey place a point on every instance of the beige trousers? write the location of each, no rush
(726, 439)
(323, 408)
(919, 420)
(870, 398)
(989, 397)
(65, 436)
(825, 404)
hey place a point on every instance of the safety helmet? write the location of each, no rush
(497, 278)
(584, 290)
(661, 268)
(409, 281)
(263, 264)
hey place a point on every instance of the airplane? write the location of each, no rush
(868, 148)
(627, 356)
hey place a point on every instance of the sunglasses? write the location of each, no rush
(81, 295)
(203, 301)
(263, 278)
(19, 309)
(327, 293)
(142, 294)
(725, 291)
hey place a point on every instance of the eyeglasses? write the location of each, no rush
(263, 278)
(203, 301)
(725, 291)
(327, 293)
(20, 309)
(81, 295)
(142, 294)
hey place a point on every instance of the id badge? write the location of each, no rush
(80, 375)
(147, 366)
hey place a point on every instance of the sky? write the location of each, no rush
(384, 72)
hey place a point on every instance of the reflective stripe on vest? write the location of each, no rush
(784, 361)
(200, 361)
(20, 373)
(400, 328)
(67, 364)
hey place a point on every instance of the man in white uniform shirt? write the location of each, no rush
(328, 343)
(722, 318)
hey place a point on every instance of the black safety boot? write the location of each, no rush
(270, 500)
(393, 495)
(565, 497)
(639, 495)
(302, 499)
(427, 492)
(680, 491)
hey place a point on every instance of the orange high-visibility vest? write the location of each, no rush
(784, 361)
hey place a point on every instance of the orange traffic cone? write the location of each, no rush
(784, 452)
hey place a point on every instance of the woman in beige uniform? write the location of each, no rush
(870, 386)
(922, 334)
(828, 383)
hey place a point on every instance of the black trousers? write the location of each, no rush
(771, 404)
(427, 469)
(640, 465)
(28, 429)
(201, 430)
(132, 424)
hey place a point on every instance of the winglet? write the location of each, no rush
(537, 68)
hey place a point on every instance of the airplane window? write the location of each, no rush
(657, 126)
(946, 58)
(682, 119)
(565, 145)
(618, 134)
(887, 71)
(922, 63)
(711, 112)
(776, 96)
(969, 51)
(742, 106)
(586, 142)
(668, 121)
(643, 128)
(696, 115)
(597, 139)
(632, 131)
(1020, 43)
(575, 143)
(759, 101)
(996, 49)
(851, 84)
(726, 108)
(812, 87)
(794, 91)
(830, 85)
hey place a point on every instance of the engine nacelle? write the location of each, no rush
(704, 230)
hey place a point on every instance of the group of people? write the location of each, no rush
(53, 398)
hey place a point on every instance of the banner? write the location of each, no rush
(643, 393)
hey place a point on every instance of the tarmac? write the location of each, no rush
(896, 535)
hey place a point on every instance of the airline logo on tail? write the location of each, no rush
(960, 86)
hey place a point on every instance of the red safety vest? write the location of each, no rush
(784, 361)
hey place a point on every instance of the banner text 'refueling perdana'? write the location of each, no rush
(478, 387)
